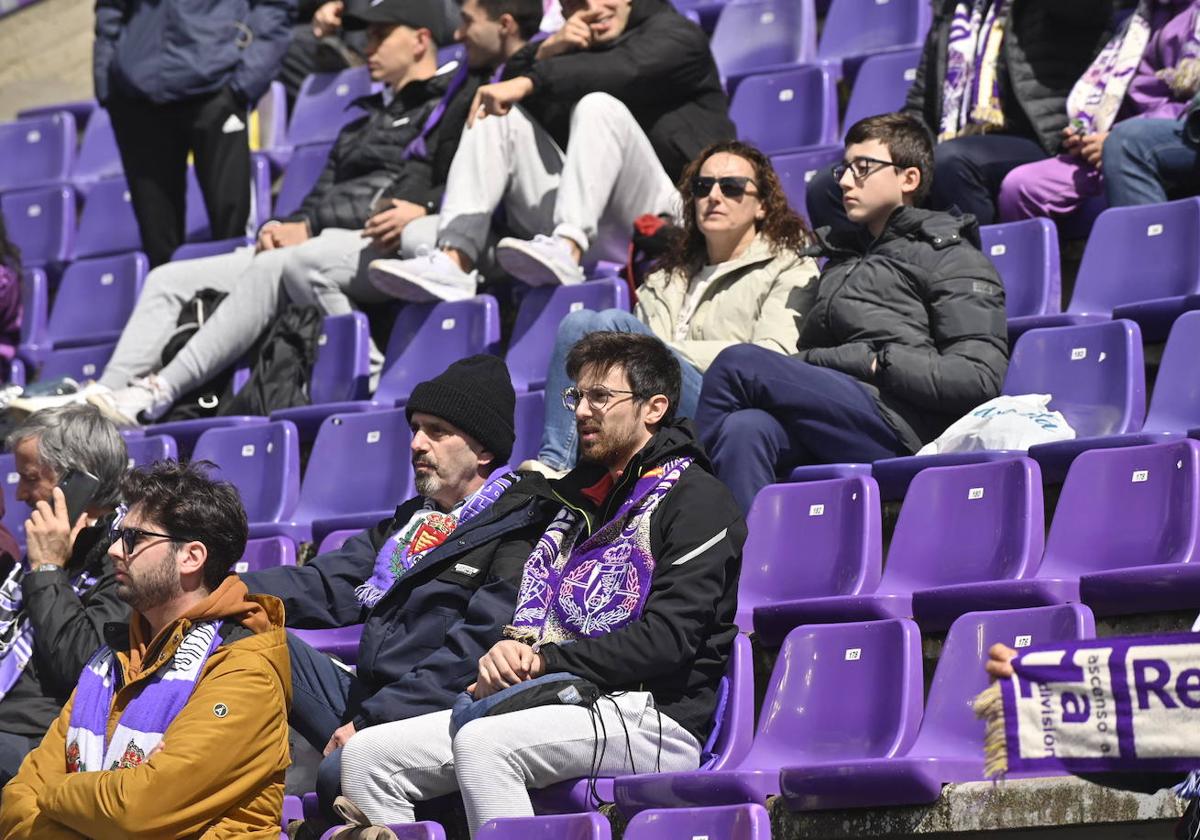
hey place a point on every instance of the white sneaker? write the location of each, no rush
(429, 277)
(541, 261)
(143, 400)
(534, 465)
(32, 405)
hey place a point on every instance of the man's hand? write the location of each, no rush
(327, 20)
(282, 235)
(999, 664)
(1091, 148)
(48, 532)
(339, 737)
(385, 227)
(498, 99)
(506, 664)
(575, 35)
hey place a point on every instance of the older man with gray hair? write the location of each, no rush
(54, 603)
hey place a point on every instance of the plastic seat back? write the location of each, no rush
(95, 298)
(529, 418)
(762, 33)
(857, 27)
(99, 156)
(1175, 403)
(786, 109)
(262, 461)
(1026, 255)
(555, 827)
(881, 85)
(107, 224)
(266, 553)
(79, 363)
(342, 366)
(358, 462)
(303, 170)
(796, 169)
(41, 222)
(36, 151)
(147, 449)
(727, 822)
(323, 106)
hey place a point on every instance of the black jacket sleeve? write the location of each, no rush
(698, 553)
(110, 17)
(852, 359)
(270, 27)
(454, 665)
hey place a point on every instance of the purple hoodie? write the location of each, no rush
(1149, 96)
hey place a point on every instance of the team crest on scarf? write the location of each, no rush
(73, 757)
(132, 757)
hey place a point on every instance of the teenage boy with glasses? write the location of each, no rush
(907, 333)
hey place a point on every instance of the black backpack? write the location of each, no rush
(206, 399)
(281, 365)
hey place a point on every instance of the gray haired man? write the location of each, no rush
(54, 603)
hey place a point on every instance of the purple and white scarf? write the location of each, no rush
(16, 631)
(1095, 99)
(571, 591)
(971, 94)
(1123, 704)
(147, 716)
(426, 530)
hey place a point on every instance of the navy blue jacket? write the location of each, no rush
(171, 50)
(422, 641)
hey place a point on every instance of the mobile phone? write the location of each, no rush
(79, 488)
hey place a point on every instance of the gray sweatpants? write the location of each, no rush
(493, 761)
(608, 177)
(253, 281)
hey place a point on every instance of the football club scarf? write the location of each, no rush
(1123, 704)
(571, 591)
(426, 530)
(971, 94)
(147, 716)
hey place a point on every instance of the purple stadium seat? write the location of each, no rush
(336, 539)
(342, 366)
(263, 462)
(796, 169)
(144, 450)
(79, 363)
(1095, 373)
(727, 746)
(530, 420)
(15, 513)
(107, 224)
(1157, 244)
(94, 300)
(200, 250)
(293, 809)
(763, 34)
(785, 110)
(728, 822)
(824, 472)
(959, 528)
(855, 29)
(98, 157)
(187, 432)
(80, 109)
(323, 106)
(17, 373)
(829, 529)
(35, 304)
(272, 118)
(301, 174)
(195, 223)
(449, 53)
(1026, 255)
(337, 641)
(838, 692)
(422, 830)
(589, 826)
(538, 317)
(949, 746)
(266, 553)
(42, 224)
(882, 84)
(36, 152)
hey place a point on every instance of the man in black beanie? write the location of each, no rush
(429, 606)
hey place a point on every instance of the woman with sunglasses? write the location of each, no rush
(733, 275)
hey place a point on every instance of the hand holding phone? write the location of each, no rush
(52, 527)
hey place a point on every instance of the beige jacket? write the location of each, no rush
(756, 299)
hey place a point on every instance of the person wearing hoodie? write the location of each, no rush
(632, 587)
(178, 725)
(907, 333)
(587, 131)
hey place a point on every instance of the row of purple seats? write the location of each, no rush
(842, 723)
(736, 822)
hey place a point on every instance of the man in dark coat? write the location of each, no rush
(907, 333)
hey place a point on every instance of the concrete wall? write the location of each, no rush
(47, 50)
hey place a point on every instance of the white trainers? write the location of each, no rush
(541, 261)
(143, 400)
(429, 277)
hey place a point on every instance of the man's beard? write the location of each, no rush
(607, 448)
(160, 585)
(427, 483)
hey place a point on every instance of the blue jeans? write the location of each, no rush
(1143, 159)
(13, 749)
(559, 435)
(762, 414)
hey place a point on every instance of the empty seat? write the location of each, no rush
(303, 170)
(342, 367)
(536, 326)
(589, 826)
(857, 28)
(37, 151)
(796, 169)
(837, 692)
(959, 528)
(200, 250)
(263, 462)
(146, 449)
(42, 224)
(95, 299)
(787, 109)
(811, 540)
(759, 34)
(78, 363)
(324, 104)
(1025, 253)
(341, 642)
(107, 224)
(98, 157)
(529, 417)
(35, 306)
(881, 85)
(266, 553)
(420, 830)
(949, 746)
(727, 822)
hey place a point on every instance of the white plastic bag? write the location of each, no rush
(1004, 423)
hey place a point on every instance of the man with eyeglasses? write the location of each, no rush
(632, 587)
(55, 601)
(178, 724)
(906, 335)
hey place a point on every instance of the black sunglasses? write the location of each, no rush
(732, 186)
(130, 537)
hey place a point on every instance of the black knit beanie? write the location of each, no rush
(476, 395)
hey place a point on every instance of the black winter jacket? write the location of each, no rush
(168, 51)
(67, 630)
(662, 69)
(367, 161)
(925, 304)
(679, 648)
(422, 641)
(1047, 46)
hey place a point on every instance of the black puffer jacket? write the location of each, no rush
(662, 69)
(1047, 46)
(926, 305)
(367, 161)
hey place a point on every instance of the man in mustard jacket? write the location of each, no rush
(178, 726)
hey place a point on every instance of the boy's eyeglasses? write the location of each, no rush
(861, 168)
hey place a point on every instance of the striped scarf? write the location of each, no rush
(971, 95)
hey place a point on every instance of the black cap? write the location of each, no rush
(416, 14)
(476, 395)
